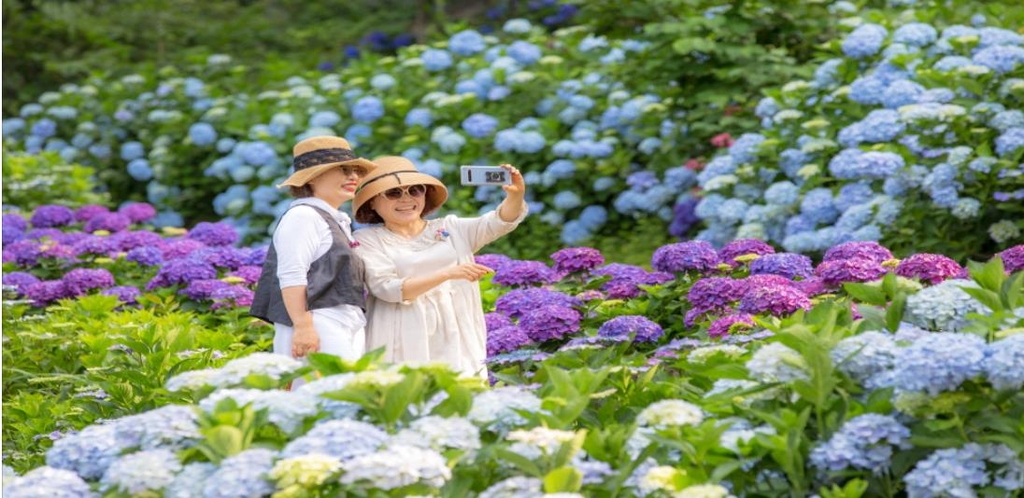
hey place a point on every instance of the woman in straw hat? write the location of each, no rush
(424, 303)
(311, 287)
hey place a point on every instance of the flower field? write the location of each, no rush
(819, 294)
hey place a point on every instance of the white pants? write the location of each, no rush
(343, 338)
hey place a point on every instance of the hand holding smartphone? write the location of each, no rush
(485, 175)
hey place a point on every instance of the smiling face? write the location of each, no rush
(337, 186)
(400, 205)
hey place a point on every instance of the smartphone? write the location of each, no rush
(485, 175)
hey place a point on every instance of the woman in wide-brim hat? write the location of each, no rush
(424, 304)
(311, 288)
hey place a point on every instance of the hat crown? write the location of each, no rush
(320, 143)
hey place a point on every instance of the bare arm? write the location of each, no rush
(305, 338)
(511, 207)
(414, 287)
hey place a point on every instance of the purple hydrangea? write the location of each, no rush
(46, 292)
(493, 261)
(257, 255)
(577, 259)
(70, 238)
(495, 321)
(93, 244)
(250, 274)
(624, 326)
(12, 235)
(524, 273)
(721, 327)
(19, 280)
(125, 293)
(111, 222)
(812, 286)
(52, 216)
(933, 268)
(550, 322)
(858, 250)
(715, 294)
(14, 220)
(221, 256)
(505, 340)
(214, 234)
(232, 295)
(777, 300)
(785, 264)
(696, 255)
(203, 289)
(180, 248)
(754, 282)
(127, 240)
(22, 253)
(88, 212)
(80, 281)
(835, 272)
(626, 279)
(181, 272)
(42, 233)
(145, 256)
(518, 302)
(1013, 259)
(58, 251)
(591, 295)
(138, 212)
(739, 247)
(684, 217)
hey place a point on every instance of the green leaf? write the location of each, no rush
(989, 275)
(563, 480)
(225, 440)
(894, 313)
(866, 293)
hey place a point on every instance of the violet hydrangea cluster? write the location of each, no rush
(685, 256)
(641, 328)
(550, 322)
(931, 268)
(577, 259)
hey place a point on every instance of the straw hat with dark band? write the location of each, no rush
(313, 156)
(391, 172)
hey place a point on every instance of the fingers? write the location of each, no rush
(473, 271)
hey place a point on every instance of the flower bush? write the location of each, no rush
(910, 136)
(194, 144)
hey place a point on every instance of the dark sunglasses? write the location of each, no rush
(348, 170)
(413, 191)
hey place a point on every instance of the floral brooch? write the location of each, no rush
(441, 234)
(354, 244)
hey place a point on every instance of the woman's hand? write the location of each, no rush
(467, 271)
(518, 186)
(305, 340)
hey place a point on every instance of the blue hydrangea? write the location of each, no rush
(467, 42)
(448, 140)
(46, 482)
(721, 165)
(867, 90)
(901, 93)
(852, 194)
(991, 36)
(140, 170)
(868, 358)
(242, 475)
(574, 232)
(782, 194)
(915, 34)
(202, 134)
(766, 108)
(524, 52)
(880, 125)
(743, 150)
(1000, 58)
(343, 439)
(864, 41)
(1010, 141)
(943, 307)
(382, 81)
(939, 362)
(593, 217)
(1004, 120)
(479, 125)
(826, 75)
(603, 183)
(368, 109)
(141, 472)
(132, 150)
(680, 178)
(566, 200)
(649, 145)
(1004, 366)
(436, 59)
(863, 442)
(948, 472)
(324, 119)
(818, 206)
(561, 169)
(88, 453)
(776, 362)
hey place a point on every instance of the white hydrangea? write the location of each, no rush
(143, 471)
(514, 487)
(330, 384)
(441, 433)
(193, 379)
(307, 471)
(670, 413)
(496, 408)
(396, 467)
(190, 481)
(375, 378)
(542, 438)
(777, 362)
(943, 307)
(703, 491)
(272, 365)
(703, 354)
(658, 479)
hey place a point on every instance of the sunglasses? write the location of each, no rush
(413, 191)
(348, 170)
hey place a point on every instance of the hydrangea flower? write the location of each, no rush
(52, 216)
(777, 362)
(145, 471)
(397, 466)
(939, 362)
(949, 472)
(787, 265)
(943, 307)
(1013, 259)
(514, 487)
(863, 442)
(642, 328)
(506, 339)
(46, 482)
(838, 271)
(523, 273)
(80, 281)
(774, 299)
(685, 256)
(518, 302)
(213, 234)
(242, 475)
(724, 326)
(1004, 365)
(441, 434)
(285, 409)
(868, 358)
(304, 471)
(741, 247)
(670, 413)
(342, 439)
(576, 259)
(550, 322)
(932, 268)
(858, 250)
(190, 481)
(88, 453)
(496, 409)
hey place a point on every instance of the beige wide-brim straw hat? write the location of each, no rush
(391, 172)
(315, 155)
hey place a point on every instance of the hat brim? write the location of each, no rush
(304, 176)
(436, 196)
